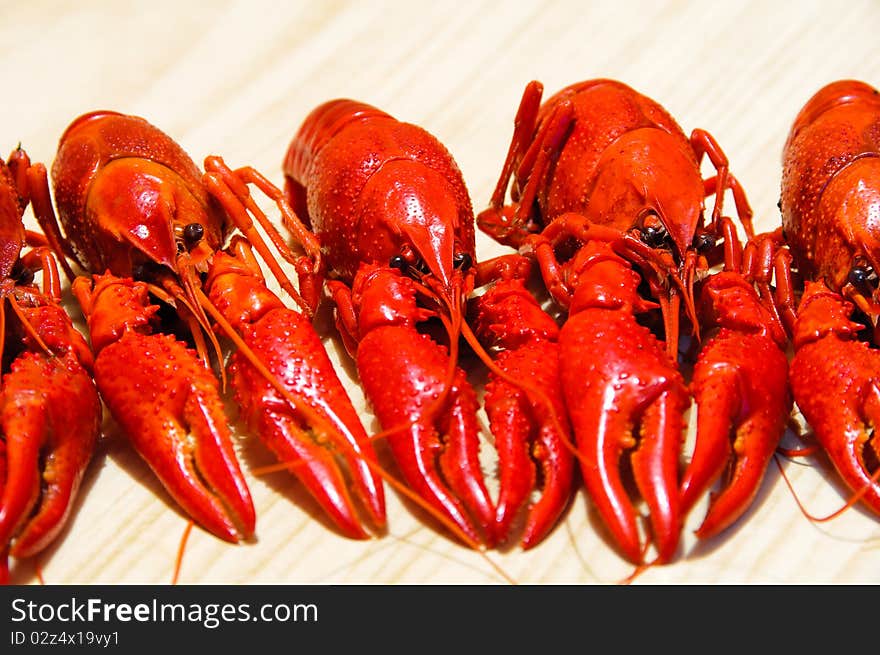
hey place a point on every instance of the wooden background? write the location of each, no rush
(236, 78)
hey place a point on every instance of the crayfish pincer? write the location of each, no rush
(390, 208)
(151, 230)
(623, 392)
(50, 413)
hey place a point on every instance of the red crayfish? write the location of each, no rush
(390, 208)
(50, 414)
(604, 180)
(830, 202)
(138, 214)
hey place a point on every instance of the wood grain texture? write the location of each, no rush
(236, 78)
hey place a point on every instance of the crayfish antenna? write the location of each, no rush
(856, 497)
(642, 566)
(199, 326)
(178, 561)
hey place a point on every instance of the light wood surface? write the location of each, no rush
(236, 78)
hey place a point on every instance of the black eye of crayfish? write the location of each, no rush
(654, 235)
(193, 233)
(860, 275)
(462, 261)
(704, 242)
(399, 262)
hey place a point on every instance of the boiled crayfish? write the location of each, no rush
(605, 182)
(830, 202)
(138, 215)
(390, 208)
(50, 414)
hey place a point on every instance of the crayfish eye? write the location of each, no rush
(859, 275)
(704, 242)
(399, 262)
(193, 233)
(654, 235)
(462, 261)
(653, 232)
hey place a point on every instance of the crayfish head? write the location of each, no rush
(413, 219)
(650, 182)
(143, 213)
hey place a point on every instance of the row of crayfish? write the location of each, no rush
(606, 204)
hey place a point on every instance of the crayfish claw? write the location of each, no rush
(436, 446)
(530, 431)
(49, 421)
(289, 394)
(320, 429)
(168, 404)
(531, 454)
(459, 457)
(625, 396)
(655, 468)
(835, 379)
(740, 386)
